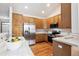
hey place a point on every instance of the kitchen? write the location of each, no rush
(42, 31)
(42, 24)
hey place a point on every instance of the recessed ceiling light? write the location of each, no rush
(43, 12)
(48, 5)
(26, 7)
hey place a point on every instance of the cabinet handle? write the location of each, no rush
(60, 46)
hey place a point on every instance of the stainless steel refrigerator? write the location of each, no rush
(29, 32)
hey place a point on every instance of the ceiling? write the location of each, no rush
(4, 9)
(4, 12)
(34, 9)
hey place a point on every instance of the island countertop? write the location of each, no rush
(24, 50)
(72, 39)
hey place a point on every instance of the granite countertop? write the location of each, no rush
(41, 31)
(72, 39)
(49, 31)
(24, 50)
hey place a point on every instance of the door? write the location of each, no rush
(5, 27)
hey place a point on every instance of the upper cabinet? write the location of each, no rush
(18, 20)
(54, 20)
(36, 21)
(65, 15)
(39, 23)
(28, 19)
(63, 19)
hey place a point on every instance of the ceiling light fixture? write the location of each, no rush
(48, 5)
(26, 7)
(43, 12)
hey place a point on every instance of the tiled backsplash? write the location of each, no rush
(47, 30)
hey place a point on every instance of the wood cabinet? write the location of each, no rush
(39, 23)
(63, 19)
(41, 38)
(28, 19)
(61, 49)
(38, 38)
(59, 22)
(17, 24)
(45, 37)
(54, 20)
(65, 15)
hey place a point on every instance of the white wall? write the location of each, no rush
(75, 26)
(10, 15)
(0, 26)
(78, 17)
(74, 18)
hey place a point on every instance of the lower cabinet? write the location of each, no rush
(41, 38)
(75, 51)
(61, 49)
(45, 37)
(38, 38)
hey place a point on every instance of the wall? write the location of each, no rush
(0, 26)
(74, 11)
(4, 16)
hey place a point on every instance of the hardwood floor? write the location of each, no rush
(42, 49)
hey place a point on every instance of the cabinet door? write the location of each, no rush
(17, 25)
(45, 37)
(17, 19)
(26, 19)
(39, 38)
(66, 15)
(39, 23)
(54, 20)
(75, 51)
(61, 49)
(16, 31)
(48, 23)
(31, 20)
(59, 22)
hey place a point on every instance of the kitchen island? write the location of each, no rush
(67, 44)
(23, 50)
(72, 39)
